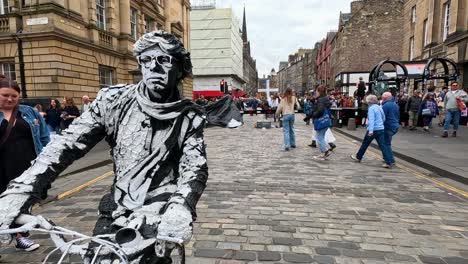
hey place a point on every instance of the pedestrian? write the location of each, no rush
(322, 121)
(40, 110)
(286, 109)
(158, 151)
(428, 110)
(361, 90)
(308, 108)
(85, 103)
(454, 103)
(375, 130)
(440, 105)
(402, 100)
(23, 134)
(52, 117)
(392, 121)
(329, 139)
(364, 110)
(412, 108)
(274, 105)
(69, 113)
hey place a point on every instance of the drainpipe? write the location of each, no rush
(21, 64)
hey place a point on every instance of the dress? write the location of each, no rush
(17, 152)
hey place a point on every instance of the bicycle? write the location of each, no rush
(125, 245)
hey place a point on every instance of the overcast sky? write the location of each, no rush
(277, 28)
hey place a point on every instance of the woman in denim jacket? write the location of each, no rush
(19, 144)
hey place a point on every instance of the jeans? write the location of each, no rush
(379, 136)
(413, 119)
(388, 135)
(288, 131)
(320, 136)
(449, 115)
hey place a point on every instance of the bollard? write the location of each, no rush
(351, 124)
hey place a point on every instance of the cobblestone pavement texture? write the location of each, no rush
(265, 205)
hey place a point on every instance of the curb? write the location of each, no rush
(441, 173)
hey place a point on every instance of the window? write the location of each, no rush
(413, 14)
(133, 23)
(148, 24)
(446, 20)
(160, 27)
(411, 48)
(101, 14)
(425, 33)
(105, 76)
(4, 7)
(8, 69)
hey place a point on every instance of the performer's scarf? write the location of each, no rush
(132, 187)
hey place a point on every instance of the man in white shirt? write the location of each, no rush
(85, 103)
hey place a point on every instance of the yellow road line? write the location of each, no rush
(412, 171)
(84, 185)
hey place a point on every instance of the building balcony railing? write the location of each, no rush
(105, 39)
(5, 24)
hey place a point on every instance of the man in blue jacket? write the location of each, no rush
(392, 121)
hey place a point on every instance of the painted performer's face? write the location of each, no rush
(159, 70)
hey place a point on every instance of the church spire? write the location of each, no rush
(244, 28)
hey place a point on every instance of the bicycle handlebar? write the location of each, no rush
(123, 246)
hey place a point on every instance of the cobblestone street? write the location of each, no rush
(264, 205)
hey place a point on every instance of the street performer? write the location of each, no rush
(156, 141)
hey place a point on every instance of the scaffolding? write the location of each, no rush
(203, 4)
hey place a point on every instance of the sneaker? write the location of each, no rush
(454, 134)
(445, 134)
(313, 144)
(26, 244)
(353, 157)
(286, 149)
(332, 146)
(387, 166)
(320, 157)
(328, 153)
(293, 146)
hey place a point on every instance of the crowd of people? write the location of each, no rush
(58, 116)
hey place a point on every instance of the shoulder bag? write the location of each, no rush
(323, 121)
(11, 122)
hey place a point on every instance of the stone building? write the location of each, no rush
(57, 48)
(372, 32)
(249, 64)
(437, 29)
(299, 72)
(323, 60)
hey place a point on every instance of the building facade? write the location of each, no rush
(437, 29)
(323, 60)
(216, 50)
(372, 32)
(249, 64)
(72, 48)
(298, 72)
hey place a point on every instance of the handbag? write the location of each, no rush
(426, 112)
(323, 121)
(11, 122)
(461, 106)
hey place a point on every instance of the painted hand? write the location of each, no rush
(176, 222)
